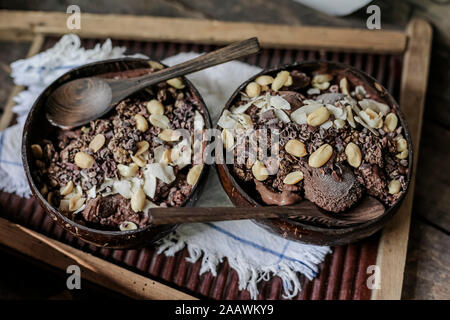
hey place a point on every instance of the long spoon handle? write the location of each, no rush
(368, 209)
(231, 52)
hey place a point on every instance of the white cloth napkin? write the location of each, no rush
(253, 252)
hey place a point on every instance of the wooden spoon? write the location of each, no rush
(369, 208)
(79, 101)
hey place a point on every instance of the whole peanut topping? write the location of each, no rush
(97, 143)
(259, 171)
(319, 157)
(293, 177)
(84, 160)
(295, 148)
(353, 154)
(318, 117)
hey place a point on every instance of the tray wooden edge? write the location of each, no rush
(93, 269)
(25, 24)
(392, 249)
(393, 243)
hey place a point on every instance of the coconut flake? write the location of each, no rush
(338, 113)
(282, 115)
(327, 124)
(360, 90)
(199, 122)
(374, 105)
(91, 194)
(372, 122)
(278, 102)
(181, 154)
(360, 121)
(160, 171)
(149, 184)
(299, 116)
(312, 91)
(226, 121)
(339, 123)
(123, 187)
(158, 153)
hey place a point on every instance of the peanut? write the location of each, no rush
(160, 121)
(343, 85)
(84, 160)
(295, 148)
(253, 89)
(142, 147)
(259, 171)
(76, 202)
(141, 123)
(319, 157)
(227, 139)
(293, 177)
(36, 150)
(155, 65)
(318, 117)
(390, 123)
(402, 145)
(97, 143)
(289, 82)
(177, 83)
(264, 80)
(64, 191)
(194, 174)
(127, 226)
(353, 154)
(169, 135)
(128, 171)
(394, 186)
(138, 200)
(321, 81)
(402, 155)
(280, 80)
(155, 107)
(139, 161)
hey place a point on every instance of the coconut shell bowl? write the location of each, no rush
(245, 193)
(38, 128)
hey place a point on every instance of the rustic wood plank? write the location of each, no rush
(204, 31)
(8, 115)
(432, 194)
(393, 244)
(427, 275)
(111, 276)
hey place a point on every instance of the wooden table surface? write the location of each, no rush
(427, 274)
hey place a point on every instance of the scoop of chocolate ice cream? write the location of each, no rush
(329, 193)
(111, 211)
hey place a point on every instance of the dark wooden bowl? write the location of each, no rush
(37, 128)
(241, 195)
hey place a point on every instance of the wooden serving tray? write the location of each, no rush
(398, 60)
